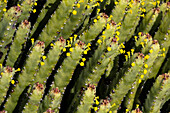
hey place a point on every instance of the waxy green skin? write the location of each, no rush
(41, 50)
(27, 76)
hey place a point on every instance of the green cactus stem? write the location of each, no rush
(27, 76)
(19, 40)
(51, 60)
(88, 97)
(35, 97)
(158, 94)
(6, 76)
(125, 83)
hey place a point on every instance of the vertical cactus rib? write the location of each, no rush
(27, 76)
(158, 94)
(64, 74)
(6, 75)
(88, 97)
(51, 60)
(130, 22)
(36, 95)
(20, 38)
(59, 16)
(125, 83)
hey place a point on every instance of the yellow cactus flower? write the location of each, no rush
(83, 59)
(95, 20)
(85, 52)
(44, 57)
(116, 3)
(34, 11)
(146, 65)
(150, 51)
(71, 49)
(95, 108)
(67, 54)
(145, 71)
(82, 64)
(12, 82)
(133, 64)
(118, 33)
(74, 12)
(109, 48)
(4, 9)
(99, 41)
(52, 44)
(146, 57)
(141, 76)
(42, 63)
(78, 5)
(35, 3)
(5, 1)
(64, 49)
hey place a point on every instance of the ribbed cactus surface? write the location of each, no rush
(84, 56)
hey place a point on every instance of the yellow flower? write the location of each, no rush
(95, 20)
(139, 81)
(163, 49)
(32, 40)
(109, 48)
(35, 3)
(163, 54)
(43, 57)
(121, 51)
(4, 9)
(150, 51)
(95, 108)
(127, 110)
(132, 50)
(122, 45)
(5, 1)
(42, 63)
(71, 49)
(98, 17)
(113, 105)
(145, 71)
(78, 5)
(99, 41)
(103, 32)
(83, 59)
(141, 76)
(76, 44)
(51, 44)
(110, 111)
(97, 102)
(101, 0)
(130, 11)
(116, 3)
(140, 33)
(108, 26)
(64, 49)
(142, 15)
(146, 65)
(137, 105)
(118, 33)
(74, 12)
(34, 10)
(133, 64)
(68, 54)
(143, 3)
(82, 64)
(146, 57)
(85, 52)
(12, 82)
(18, 69)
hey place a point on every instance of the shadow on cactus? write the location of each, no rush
(84, 56)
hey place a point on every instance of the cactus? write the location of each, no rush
(71, 56)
